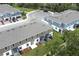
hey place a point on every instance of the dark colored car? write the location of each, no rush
(45, 10)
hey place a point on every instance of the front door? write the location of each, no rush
(59, 30)
(14, 19)
(76, 26)
(15, 50)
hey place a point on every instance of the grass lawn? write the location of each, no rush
(26, 10)
(47, 46)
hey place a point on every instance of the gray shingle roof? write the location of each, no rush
(7, 11)
(38, 14)
(65, 17)
(20, 31)
(5, 8)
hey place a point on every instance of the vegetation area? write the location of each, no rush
(55, 7)
(72, 43)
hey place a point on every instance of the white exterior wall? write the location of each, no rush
(6, 22)
(24, 46)
(70, 28)
(10, 53)
(34, 44)
(6, 18)
(55, 28)
(45, 21)
(35, 41)
(51, 33)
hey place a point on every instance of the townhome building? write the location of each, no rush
(59, 21)
(18, 36)
(9, 14)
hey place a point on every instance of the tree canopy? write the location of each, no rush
(72, 43)
(55, 7)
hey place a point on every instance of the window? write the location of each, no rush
(27, 44)
(14, 19)
(41, 38)
(37, 40)
(20, 42)
(7, 53)
(26, 39)
(55, 27)
(20, 47)
(45, 10)
(6, 19)
(18, 17)
(13, 45)
(5, 48)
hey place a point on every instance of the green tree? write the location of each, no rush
(72, 43)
